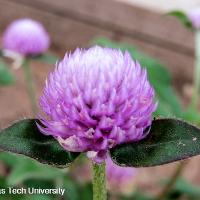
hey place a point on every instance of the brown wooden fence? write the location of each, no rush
(73, 23)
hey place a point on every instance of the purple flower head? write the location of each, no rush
(118, 178)
(96, 99)
(194, 16)
(26, 36)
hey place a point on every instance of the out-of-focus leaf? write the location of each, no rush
(34, 183)
(169, 140)
(168, 102)
(72, 189)
(77, 191)
(182, 17)
(46, 58)
(11, 197)
(184, 189)
(192, 115)
(24, 137)
(6, 195)
(138, 196)
(8, 158)
(38, 197)
(3, 183)
(30, 169)
(6, 77)
(86, 192)
(187, 188)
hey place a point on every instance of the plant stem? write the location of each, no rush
(172, 181)
(30, 85)
(99, 182)
(195, 97)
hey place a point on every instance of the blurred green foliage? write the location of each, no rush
(182, 17)
(28, 173)
(183, 189)
(22, 171)
(168, 103)
(6, 77)
(46, 58)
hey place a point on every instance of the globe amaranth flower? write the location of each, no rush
(96, 99)
(119, 179)
(26, 36)
(194, 16)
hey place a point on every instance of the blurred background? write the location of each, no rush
(158, 41)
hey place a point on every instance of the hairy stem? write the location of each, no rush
(99, 182)
(30, 85)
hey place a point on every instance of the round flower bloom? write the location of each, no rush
(26, 36)
(96, 99)
(194, 16)
(119, 179)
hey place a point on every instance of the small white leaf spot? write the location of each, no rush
(180, 143)
(194, 139)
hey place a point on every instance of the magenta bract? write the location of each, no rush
(96, 99)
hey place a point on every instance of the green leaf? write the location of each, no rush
(184, 187)
(182, 17)
(138, 195)
(7, 196)
(158, 76)
(3, 182)
(6, 77)
(46, 58)
(38, 196)
(167, 106)
(86, 191)
(30, 169)
(192, 115)
(24, 138)
(33, 183)
(72, 192)
(169, 140)
(24, 168)
(8, 158)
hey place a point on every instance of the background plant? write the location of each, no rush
(167, 107)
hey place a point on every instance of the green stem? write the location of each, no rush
(30, 85)
(99, 182)
(195, 97)
(163, 194)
